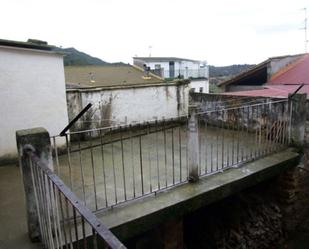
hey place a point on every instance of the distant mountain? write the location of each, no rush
(227, 70)
(78, 58)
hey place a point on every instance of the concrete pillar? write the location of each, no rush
(298, 119)
(193, 145)
(39, 140)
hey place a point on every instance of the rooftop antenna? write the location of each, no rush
(150, 47)
(305, 28)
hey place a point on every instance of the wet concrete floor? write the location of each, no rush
(13, 226)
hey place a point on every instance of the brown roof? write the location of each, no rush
(107, 76)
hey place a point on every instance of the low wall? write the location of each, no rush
(119, 106)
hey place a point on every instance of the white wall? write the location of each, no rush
(32, 94)
(131, 105)
(196, 84)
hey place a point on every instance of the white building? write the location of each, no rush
(32, 92)
(122, 95)
(172, 67)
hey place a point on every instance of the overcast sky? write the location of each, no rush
(222, 32)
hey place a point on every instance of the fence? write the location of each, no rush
(233, 136)
(109, 166)
(55, 215)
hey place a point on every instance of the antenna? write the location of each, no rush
(150, 47)
(305, 28)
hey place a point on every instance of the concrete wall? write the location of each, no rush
(32, 94)
(128, 105)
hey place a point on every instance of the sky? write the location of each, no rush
(222, 32)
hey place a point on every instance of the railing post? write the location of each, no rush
(193, 145)
(39, 139)
(297, 103)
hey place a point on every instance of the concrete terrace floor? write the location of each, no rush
(103, 176)
(13, 224)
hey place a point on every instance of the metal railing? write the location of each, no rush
(182, 73)
(236, 135)
(109, 166)
(64, 221)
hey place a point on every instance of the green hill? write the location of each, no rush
(228, 70)
(75, 57)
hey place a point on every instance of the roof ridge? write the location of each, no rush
(288, 67)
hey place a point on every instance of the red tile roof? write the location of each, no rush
(277, 91)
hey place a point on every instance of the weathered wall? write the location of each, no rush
(277, 64)
(32, 94)
(235, 88)
(128, 105)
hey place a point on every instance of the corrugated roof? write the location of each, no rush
(278, 91)
(107, 76)
(154, 59)
(296, 73)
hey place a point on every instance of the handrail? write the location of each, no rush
(109, 238)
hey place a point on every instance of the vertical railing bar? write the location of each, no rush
(75, 226)
(57, 212)
(48, 207)
(38, 203)
(81, 169)
(165, 153)
(149, 156)
(132, 161)
(227, 140)
(200, 144)
(141, 163)
(53, 215)
(180, 154)
(218, 131)
(173, 157)
(43, 207)
(222, 142)
(93, 174)
(157, 153)
(69, 226)
(205, 145)
(122, 162)
(84, 233)
(56, 155)
(113, 164)
(238, 118)
(69, 160)
(63, 220)
(103, 169)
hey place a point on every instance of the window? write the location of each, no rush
(192, 90)
(201, 89)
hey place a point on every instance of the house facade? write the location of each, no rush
(122, 95)
(32, 92)
(173, 67)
